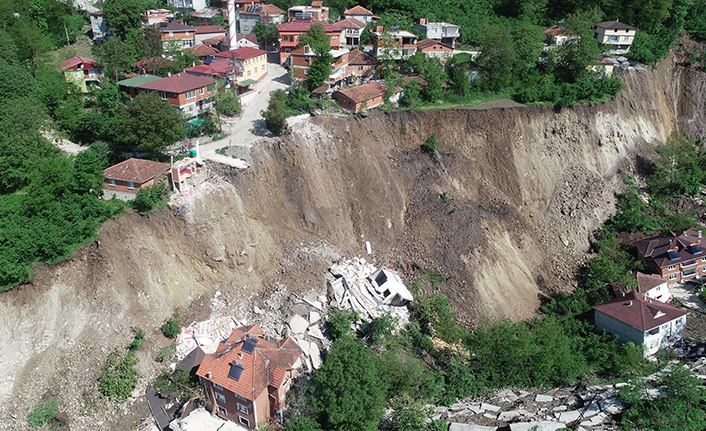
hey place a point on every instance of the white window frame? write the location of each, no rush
(131, 185)
(217, 386)
(202, 90)
(111, 182)
(244, 421)
(672, 276)
(191, 94)
(243, 408)
(672, 267)
(222, 410)
(163, 95)
(220, 397)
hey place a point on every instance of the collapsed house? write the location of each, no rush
(359, 286)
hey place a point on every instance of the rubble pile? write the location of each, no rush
(305, 327)
(591, 408)
(206, 334)
(355, 286)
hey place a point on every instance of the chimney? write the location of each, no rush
(700, 233)
(169, 73)
(232, 36)
(630, 304)
(423, 21)
(208, 375)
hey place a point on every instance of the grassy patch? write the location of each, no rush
(43, 412)
(172, 326)
(119, 376)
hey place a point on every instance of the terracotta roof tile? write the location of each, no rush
(216, 67)
(427, 44)
(634, 310)
(72, 62)
(202, 50)
(647, 282)
(358, 57)
(656, 248)
(357, 10)
(206, 29)
(350, 23)
(135, 170)
(243, 53)
(361, 93)
(302, 26)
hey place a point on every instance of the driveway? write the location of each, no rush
(250, 126)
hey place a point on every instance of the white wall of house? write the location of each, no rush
(659, 293)
(653, 340)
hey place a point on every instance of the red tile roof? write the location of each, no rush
(243, 53)
(361, 93)
(217, 67)
(357, 10)
(350, 23)
(179, 83)
(432, 45)
(656, 248)
(302, 26)
(206, 29)
(267, 365)
(634, 310)
(557, 31)
(73, 62)
(358, 58)
(202, 50)
(263, 10)
(647, 282)
(135, 170)
(166, 27)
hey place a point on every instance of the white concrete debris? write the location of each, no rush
(314, 317)
(206, 334)
(490, 407)
(201, 420)
(569, 416)
(360, 286)
(470, 427)
(315, 332)
(536, 426)
(298, 324)
(543, 398)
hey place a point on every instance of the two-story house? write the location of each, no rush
(362, 66)
(82, 71)
(189, 5)
(189, 94)
(219, 68)
(395, 44)
(290, 32)
(98, 26)
(434, 48)
(360, 13)
(265, 13)
(442, 31)
(642, 321)
(129, 86)
(252, 65)
(352, 31)
(205, 32)
(558, 35)
(676, 257)
(246, 380)
(615, 34)
(177, 35)
(315, 12)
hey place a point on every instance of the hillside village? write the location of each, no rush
(155, 109)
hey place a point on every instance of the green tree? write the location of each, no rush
(411, 96)
(228, 103)
(434, 74)
(123, 16)
(117, 57)
(317, 39)
(497, 57)
(577, 54)
(151, 124)
(528, 41)
(88, 172)
(31, 43)
(275, 115)
(267, 35)
(679, 168)
(350, 396)
(8, 55)
(302, 423)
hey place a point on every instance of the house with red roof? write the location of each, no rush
(352, 31)
(362, 66)
(220, 68)
(303, 57)
(290, 32)
(202, 51)
(359, 13)
(204, 32)
(442, 31)
(126, 178)
(676, 257)
(156, 16)
(82, 71)
(393, 43)
(252, 66)
(434, 48)
(557, 35)
(188, 93)
(640, 320)
(177, 35)
(246, 380)
(363, 97)
(263, 13)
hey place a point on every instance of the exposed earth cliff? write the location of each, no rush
(507, 215)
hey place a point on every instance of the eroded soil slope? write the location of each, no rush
(506, 215)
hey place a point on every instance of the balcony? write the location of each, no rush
(688, 263)
(688, 273)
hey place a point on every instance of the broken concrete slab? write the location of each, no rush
(509, 416)
(298, 324)
(315, 356)
(543, 398)
(569, 416)
(593, 409)
(470, 427)
(314, 317)
(612, 406)
(537, 426)
(489, 407)
(595, 420)
(560, 409)
(315, 332)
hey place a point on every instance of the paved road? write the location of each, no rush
(250, 126)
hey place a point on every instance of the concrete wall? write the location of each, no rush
(625, 333)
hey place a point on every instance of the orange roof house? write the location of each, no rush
(247, 378)
(126, 178)
(434, 48)
(360, 13)
(363, 97)
(290, 32)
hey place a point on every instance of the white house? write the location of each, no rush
(653, 286)
(360, 13)
(616, 34)
(643, 321)
(442, 31)
(558, 35)
(389, 286)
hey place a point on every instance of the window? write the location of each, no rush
(222, 411)
(130, 185)
(163, 95)
(190, 94)
(287, 50)
(612, 38)
(240, 397)
(672, 267)
(672, 276)
(248, 73)
(201, 90)
(111, 182)
(246, 28)
(626, 38)
(243, 408)
(220, 397)
(171, 34)
(244, 421)
(360, 68)
(219, 387)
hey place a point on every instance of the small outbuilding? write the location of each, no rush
(126, 178)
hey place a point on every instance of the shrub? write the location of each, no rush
(172, 327)
(43, 412)
(430, 146)
(119, 376)
(275, 115)
(136, 341)
(165, 353)
(302, 423)
(150, 198)
(339, 323)
(228, 103)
